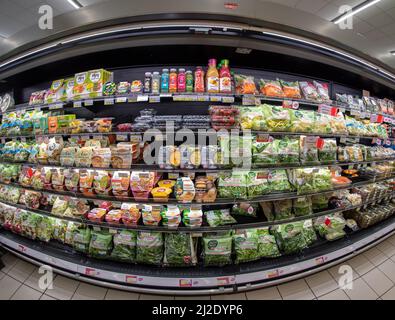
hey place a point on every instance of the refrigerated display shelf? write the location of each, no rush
(218, 201)
(145, 167)
(242, 223)
(197, 280)
(185, 97)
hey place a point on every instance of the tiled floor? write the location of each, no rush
(373, 273)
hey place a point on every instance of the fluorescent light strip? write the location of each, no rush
(355, 10)
(75, 4)
(332, 50)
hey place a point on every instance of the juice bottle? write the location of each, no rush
(225, 82)
(212, 77)
(155, 82)
(147, 82)
(189, 81)
(199, 79)
(164, 85)
(173, 81)
(181, 80)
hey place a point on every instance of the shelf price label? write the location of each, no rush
(131, 279)
(289, 104)
(273, 274)
(21, 248)
(215, 99)
(55, 106)
(376, 118)
(77, 104)
(91, 272)
(185, 283)
(121, 100)
(154, 99)
(142, 98)
(223, 281)
(88, 103)
(108, 101)
(203, 98)
(325, 109)
(248, 100)
(321, 260)
(228, 99)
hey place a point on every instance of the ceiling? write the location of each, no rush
(373, 30)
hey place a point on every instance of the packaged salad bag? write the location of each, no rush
(271, 88)
(233, 185)
(179, 250)
(59, 230)
(246, 244)
(302, 206)
(267, 245)
(81, 239)
(331, 227)
(248, 209)
(217, 249)
(279, 181)
(252, 118)
(263, 150)
(286, 150)
(100, 245)
(149, 248)
(283, 209)
(291, 89)
(308, 150)
(257, 183)
(328, 151)
(124, 246)
(45, 228)
(219, 217)
(278, 119)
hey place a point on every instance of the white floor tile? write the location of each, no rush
(375, 256)
(63, 288)
(389, 295)
(87, 291)
(232, 296)
(296, 290)
(121, 295)
(378, 281)
(388, 268)
(155, 297)
(361, 291)
(271, 293)
(26, 293)
(335, 295)
(387, 248)
(321, 283)
(8, 286)
(9, 261)
(34, 280)
(391, 240)
(21, 270)
(361, 264)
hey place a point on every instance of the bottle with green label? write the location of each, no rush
(189, 81)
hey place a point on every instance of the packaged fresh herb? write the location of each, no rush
(149, 248)
(217, 250)
(279, 182)
(328, 151)
(100, 245)
(124, 246)
(219, 217)
(267, 246)
(233, 186)
(179, 249)
(283, 209)
(81, 239)
(257, 183)
(246, 245)
(302, 206)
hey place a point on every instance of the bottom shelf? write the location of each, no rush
(196, 280)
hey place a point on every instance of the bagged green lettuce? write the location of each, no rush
(81, 239)
(303, 121)
(71, 228)
(322, 123)
(283, 209)
(149, 248)
(286, 150)
(124, 246)
(217, 250)
(308, 150)
(247, 209)
(279, 182)
(328, 152)
(45, 228)
(263, 151)
(246, 245)
(179, 250)
(219, 217)
(252, 118)
(320, 202)
(100, 245)
(302, 206)
(233, 185)
(257, 183)
(59, 230)
(267, 245)
(29, 226)
(278, 119)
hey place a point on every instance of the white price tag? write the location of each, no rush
(77, 104)
(113, 231)
(88, 103)
(121, 100)
(249, 100)
(154, 99)
(228, 99)
(55, 106)
(142, 98)
(203, 98)
(165, 95)
(108, 101)
(173, 176)
(215, 99)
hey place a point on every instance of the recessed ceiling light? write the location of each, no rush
(231, 5)
(355, 10)
(75, 4)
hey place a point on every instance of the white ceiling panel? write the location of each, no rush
(312, 6)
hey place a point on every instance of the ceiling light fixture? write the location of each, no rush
(75, 4)
(355, 10)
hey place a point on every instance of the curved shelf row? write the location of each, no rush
(186, 97)
(202, 131)
(218, 201)
(205, 229)
(145, 167)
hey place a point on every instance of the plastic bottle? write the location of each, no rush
(225, 82)
(147, 82)
(155, 86)
(189, 81)
(212, 77)
(181, 80)
(164, 85)
(199, 79)
(173, 80)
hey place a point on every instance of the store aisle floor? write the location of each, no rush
(373, 272)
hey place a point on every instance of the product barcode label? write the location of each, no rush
(88, 103)
(108, 101)
(77, 104)
(121, 99)
(154, 99)
(142, 98)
